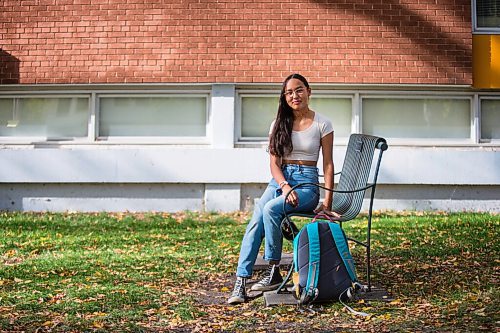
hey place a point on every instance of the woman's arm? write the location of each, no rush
(328, 171)
(328, 168)
(275, 165)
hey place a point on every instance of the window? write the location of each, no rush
(486, 15)
(153, 116)
(417, 118)
(490, 119)
(258, 112)
(183, 116)
(338, 110)
(52, 118)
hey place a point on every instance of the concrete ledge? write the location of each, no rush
(286, 262)
(271, 298)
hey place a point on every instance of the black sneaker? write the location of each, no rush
(271, 280)
(239, 294)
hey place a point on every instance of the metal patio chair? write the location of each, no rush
(350, 190)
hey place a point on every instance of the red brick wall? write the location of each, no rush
(335, 41)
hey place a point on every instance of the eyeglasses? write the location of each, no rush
(298, 91)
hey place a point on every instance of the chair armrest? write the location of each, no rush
(330, 189)
(326, 189)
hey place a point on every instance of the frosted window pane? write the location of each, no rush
(258, 113)
(7, 115)
(490, 119)
(56, 117)
(338, 110)
(417, 118)
(153, 116)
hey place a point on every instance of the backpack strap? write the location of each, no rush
(296, 253)
(311, 290)
(351, 295)
(343, 248)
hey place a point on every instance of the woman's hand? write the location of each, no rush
(322, 208)
(293, 198)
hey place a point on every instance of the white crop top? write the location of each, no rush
(306, 143)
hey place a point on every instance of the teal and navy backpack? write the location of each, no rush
(324, 269)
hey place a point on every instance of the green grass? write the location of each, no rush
(149, 272)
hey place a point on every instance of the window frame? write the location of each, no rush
(93, 94)
(479, 122)
(45, 139)
(238, 117)
(356, 93)
(481, 30)
(317, 93)
(197, 140)
(472, 139)
(357, 96)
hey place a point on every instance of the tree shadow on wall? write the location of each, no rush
(427, 36)
(9, 68)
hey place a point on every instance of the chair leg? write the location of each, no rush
(368, 268)
(368, 249)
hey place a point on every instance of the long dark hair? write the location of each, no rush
(280, 142)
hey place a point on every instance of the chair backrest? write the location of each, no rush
(355, 173)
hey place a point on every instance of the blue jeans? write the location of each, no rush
(268, 214)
